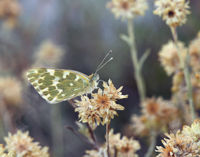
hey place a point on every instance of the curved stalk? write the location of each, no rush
(107, 138)
(186, 72)
(138, 77)
(152, 144)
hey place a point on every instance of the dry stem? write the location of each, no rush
(138, 77)
(107, 138)
(184, 66)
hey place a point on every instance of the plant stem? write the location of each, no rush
(186, 72)
(92, 135)
(57, 131)
(152, 144)
(81, 136)
(138, 77)
(107, 138)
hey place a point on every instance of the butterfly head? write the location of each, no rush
(94, 80)
(95, 77)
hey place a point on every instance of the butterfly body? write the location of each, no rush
(59, 85)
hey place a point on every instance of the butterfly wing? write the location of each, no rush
(58, 85)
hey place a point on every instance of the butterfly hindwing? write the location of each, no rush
(58, 85)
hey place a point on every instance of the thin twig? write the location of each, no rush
(57, 130)
(92, 134)
(186, 72)
(152, 144)
(79, 135)
(115, 154)
(71, 102)
(138, 77)
(107, 138)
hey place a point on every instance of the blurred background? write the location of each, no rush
(76, 34)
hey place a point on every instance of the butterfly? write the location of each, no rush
(57, 85)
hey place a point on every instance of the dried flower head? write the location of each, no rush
(10, 90)
(177, 81)
(87, 111)
(139, 125)
(109, 89)
(168, 56)
(102, 152)
(127, 9)
(159, 109)
(193, 131)
(118, 146)
(9, 10)
(173, 11)
(102, 107)
(156, 115)
(195, 93)
(185, 143)
(194, 51)
(48, 54)
(127, 147)
(23, 145)
(10, 154)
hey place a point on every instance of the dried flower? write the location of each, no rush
(101, 106)
(48, 54)
(10, 90)
(173, 11)
(109, 89)
(119, 146)
(193, 131)
(10, 154)
(127, 9)
(9, 10)
(177, 81)
(181, 144)
(102, 152)
(195, 93)
(194, 51)
(168, 56)
(156, 114)
(139, 125)
(127, 147)
(24, 145)
(159, 109)
(87, 111)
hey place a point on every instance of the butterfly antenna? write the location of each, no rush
(100, 65)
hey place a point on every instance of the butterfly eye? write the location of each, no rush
(95, 77)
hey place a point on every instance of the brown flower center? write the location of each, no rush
(126, 149)
(21, 148)
(125, 5)
(103, 101)
(152, 108)
(171, 13)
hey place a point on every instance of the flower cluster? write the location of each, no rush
(118, 147)
(127, 9)
(23, 145)
(177, 81)
(48, 54)
(194, 51)
(10, 154)
(195, 93)
(10, 90)
(9, 10)
(173, 11)
(156, 114)
(183, 143)
(102, 107)
(168, 56)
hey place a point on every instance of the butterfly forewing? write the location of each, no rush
(58, 85)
